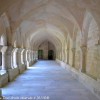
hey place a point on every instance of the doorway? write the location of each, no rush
(40, 54)
(50, 55)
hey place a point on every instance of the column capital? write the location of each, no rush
(9, 49)
(67, 49)
(73, 49)
(83, 48)
(15, 49)
(3, 49)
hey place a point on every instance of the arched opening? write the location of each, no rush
(40, 54)
(50, 55)
(46, 51)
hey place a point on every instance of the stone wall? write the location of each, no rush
(70, 53)
(92, 51)
(46, 46)
(78, 52)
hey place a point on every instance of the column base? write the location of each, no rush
(2, 72)
(22, 68)
(3, 80)
(12, 74)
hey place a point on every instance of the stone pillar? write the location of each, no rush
(27, 57)
(62, 55)
(73, 57)
(36, 55)
(9, 58)
(67, 55)
(3, 50)
(98, 61)
(20, 62)
(63, 52)
(12, 72)
(32, 56)
(59, 54)
(24, 57)
(15, 57)
(83, 58)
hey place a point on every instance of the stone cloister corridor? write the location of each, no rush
(50, 47)
(47, 78)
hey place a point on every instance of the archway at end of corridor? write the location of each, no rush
(46, 51)
(50, 55)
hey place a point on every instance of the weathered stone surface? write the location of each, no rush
(12, 74)
(3, 80)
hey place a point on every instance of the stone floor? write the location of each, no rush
(46, 80)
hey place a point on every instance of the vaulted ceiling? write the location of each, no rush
(34, 21)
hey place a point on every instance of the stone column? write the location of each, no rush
(20, 62)
(9, 58)
(30, 58)
(67, 55)
(33, 56)
(36, 55)
(20, 57)
(63, 52)
(59, 54)
(3, 50)
(73, 57)
(15, 57)
(83, 58)
(27, 58)
(24, 57)
(98, 61)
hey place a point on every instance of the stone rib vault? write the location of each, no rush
(67, 31)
